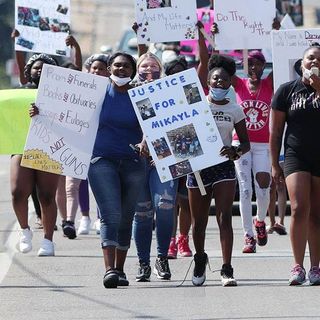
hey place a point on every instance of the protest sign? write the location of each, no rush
(61, 137)
(43, 26)
(241, 24)
(176, 119)
(287, 49)
(14, 119)
(190, 47)
(166, 20)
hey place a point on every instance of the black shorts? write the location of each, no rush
(224, 171)
(297, 162)
(182, 188)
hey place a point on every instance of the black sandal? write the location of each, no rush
(111, 279)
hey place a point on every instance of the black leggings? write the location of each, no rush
(36, 203)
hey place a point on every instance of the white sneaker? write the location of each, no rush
(46, 249)
(97, 225)
(25, 244)
(84, 226)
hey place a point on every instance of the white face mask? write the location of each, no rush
(120, 82)
(308, 73)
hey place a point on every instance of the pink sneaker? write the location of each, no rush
(173, 249)
(249, 244)
(183, 246)
(262, 236)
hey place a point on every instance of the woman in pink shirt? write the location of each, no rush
(254, 95)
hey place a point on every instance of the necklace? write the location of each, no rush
(256, 93)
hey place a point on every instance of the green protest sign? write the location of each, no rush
(14, 119)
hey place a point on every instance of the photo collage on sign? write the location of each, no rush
(31, 17)
(183, 142)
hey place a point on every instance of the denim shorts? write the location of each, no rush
(224, 171)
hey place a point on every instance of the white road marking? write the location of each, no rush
(10, 246)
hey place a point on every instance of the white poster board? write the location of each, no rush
(175, 117)
(243, 24)
(61, 137)
(288, 47)
(43, 26)
(166, 20)
(287, 23)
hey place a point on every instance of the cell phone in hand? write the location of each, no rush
(315, 71)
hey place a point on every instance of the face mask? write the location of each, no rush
(218, 94)
(120, 82)
(308, 73)
(148, 76)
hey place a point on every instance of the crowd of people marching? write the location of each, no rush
(132, 201)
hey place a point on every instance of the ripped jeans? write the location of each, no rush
(257, 160)
(159, 198)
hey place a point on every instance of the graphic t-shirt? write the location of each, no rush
(256, 107)
(226, 116)
(302, 108)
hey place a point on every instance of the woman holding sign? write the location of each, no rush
(254, 95)
(24, 180)
(219, 180)
(116, 172)
(297, 104)
(155, 197)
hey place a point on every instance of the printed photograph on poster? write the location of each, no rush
(185, 142)
(145, 108)
(192, 93)
(25, 43)
(62, 9)
(42, 26)
(161, 148)
(156, 4)
(28, 17)
(180, 169)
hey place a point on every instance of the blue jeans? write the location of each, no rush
(159, 198)
(115, 185)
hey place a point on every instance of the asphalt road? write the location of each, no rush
(69, 285)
